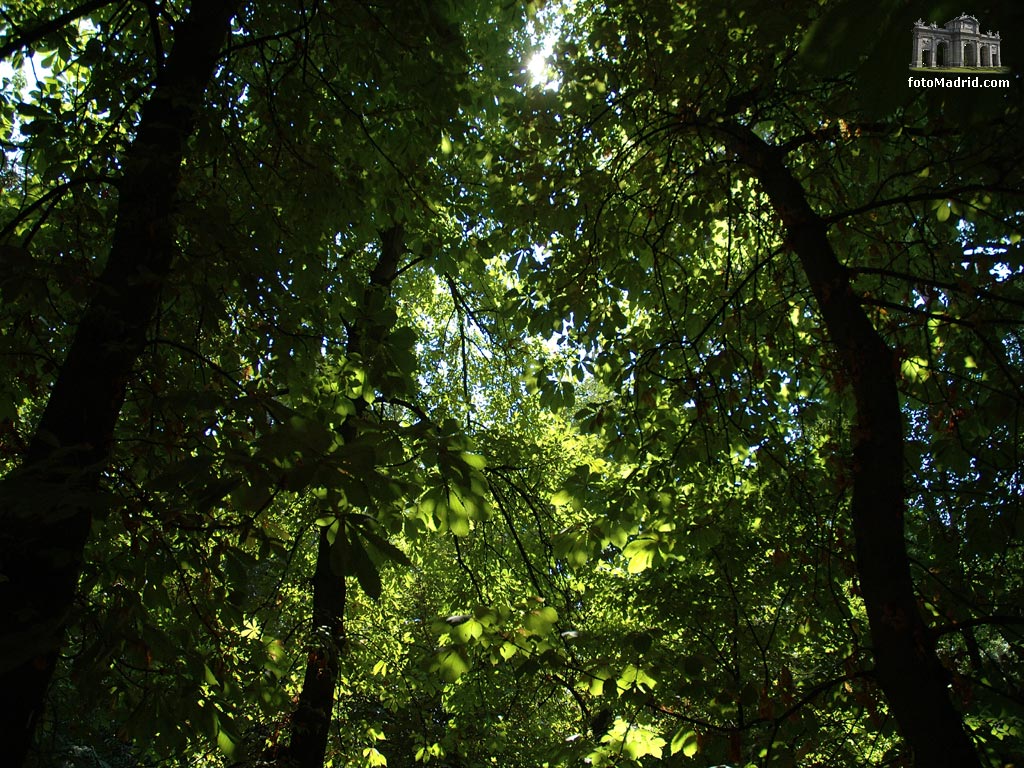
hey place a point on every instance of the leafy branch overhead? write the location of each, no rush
(498, 383)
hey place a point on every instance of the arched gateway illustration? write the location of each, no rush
(957, 43)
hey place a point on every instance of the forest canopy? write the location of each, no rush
(477, 383)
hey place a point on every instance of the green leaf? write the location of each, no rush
(467, 631)
(211, 679)
(684, 741)
(561, 498)
(474, 460)
(641, 553)
(227, 742)
(340, 554)
(451, 663)
(540, 620)
(458, 513)
(387, 550)
(366, 572)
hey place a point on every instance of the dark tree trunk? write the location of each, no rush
(46, 505)
(311, 721)
(907, 668)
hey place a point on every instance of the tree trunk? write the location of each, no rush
(907, 668)
(47, 504)
(311, 721)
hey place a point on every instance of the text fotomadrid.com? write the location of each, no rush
(957, 82)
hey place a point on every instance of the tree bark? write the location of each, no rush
(47, 504)
(907, 668)
(311, 721)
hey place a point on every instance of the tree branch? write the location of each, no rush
(23, 38)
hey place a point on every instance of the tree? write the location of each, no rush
(131, 312)
(49, 500)
(661, 411)
(708, 171)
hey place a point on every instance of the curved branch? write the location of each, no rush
(49, 195)
(908, 670)
(26, 37)
(980, 621)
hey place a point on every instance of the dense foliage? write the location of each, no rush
(376, 399)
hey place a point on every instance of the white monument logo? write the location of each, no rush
(957, 43)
